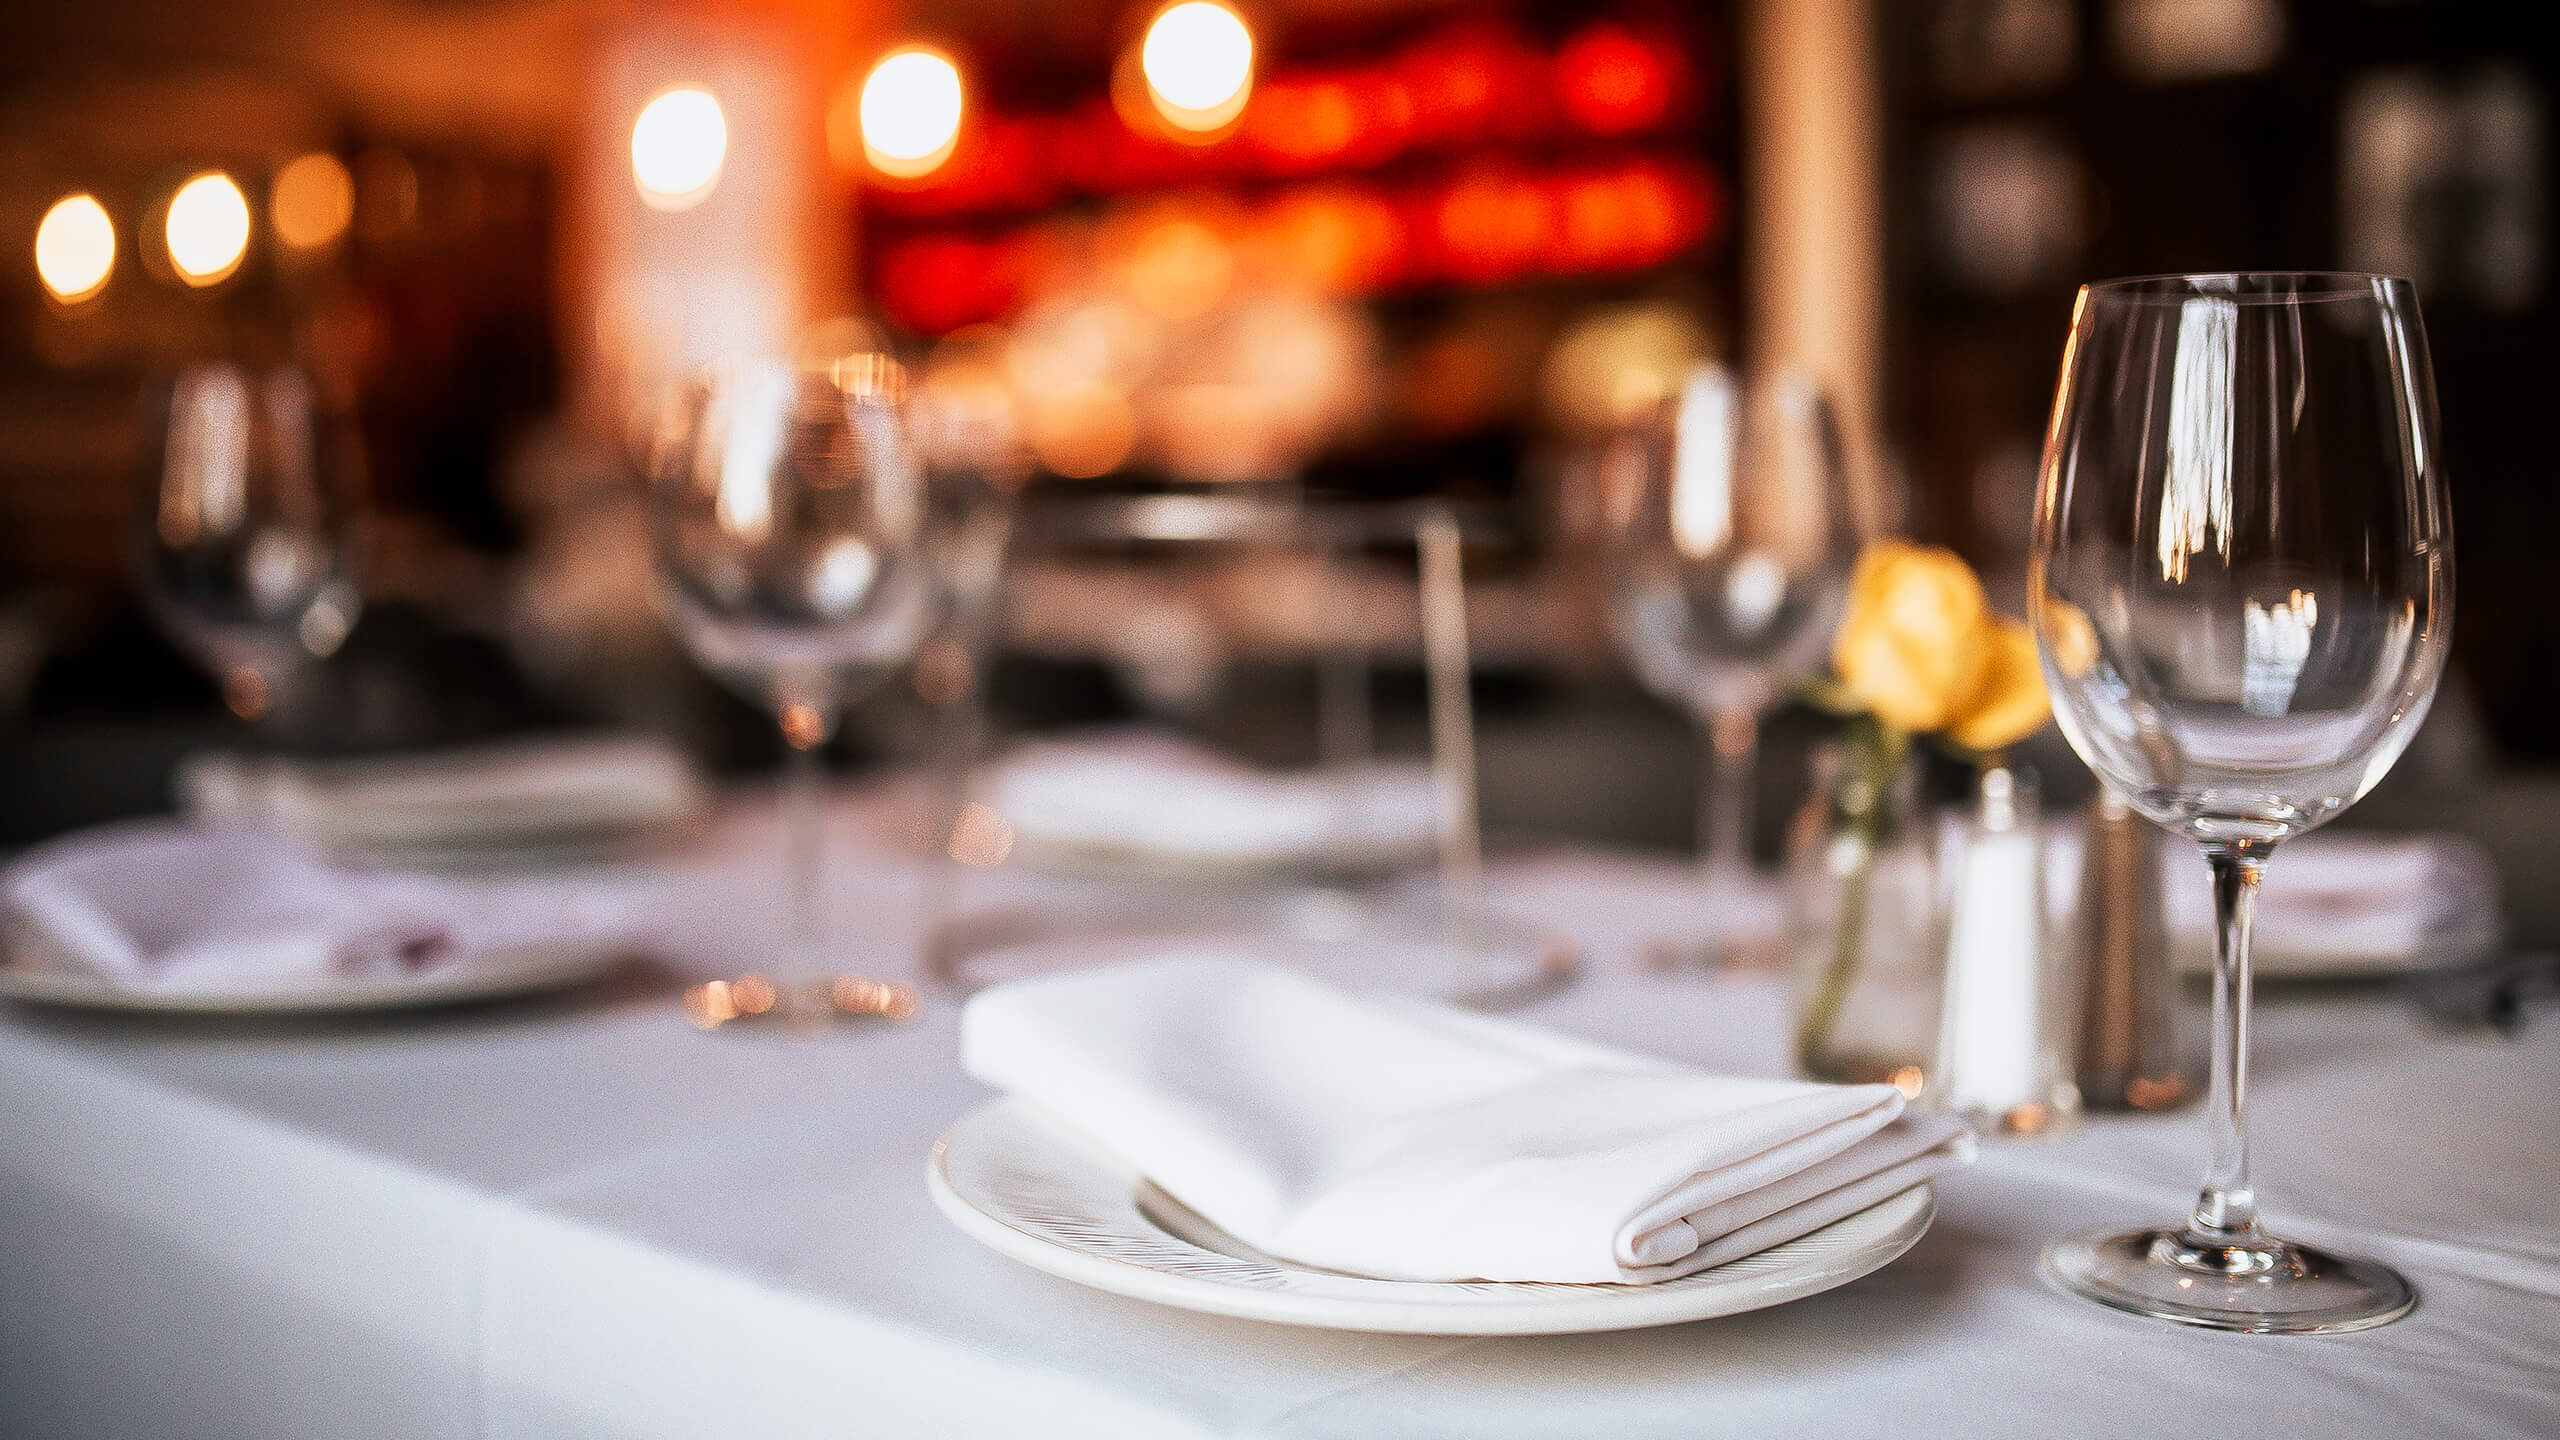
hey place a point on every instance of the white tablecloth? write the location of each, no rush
(583, 1217)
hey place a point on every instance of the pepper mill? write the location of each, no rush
(2129, 1055)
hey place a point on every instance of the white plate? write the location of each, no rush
(1017, 1184)
(487, 977)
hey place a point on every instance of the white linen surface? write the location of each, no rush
(1412, 1142)
(595, 1222)
(162, 905)
(1146, 792)
(508, 792)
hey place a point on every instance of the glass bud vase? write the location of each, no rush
(1862, 901)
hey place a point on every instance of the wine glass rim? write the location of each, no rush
(2243, 287)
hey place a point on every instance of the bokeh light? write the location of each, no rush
(677, 146)
(1198, 60)
(1493, 226)
(75, 248)
(312, 201)
(1083, 431)
(1613, 82)
(208, 228)
(911, 108)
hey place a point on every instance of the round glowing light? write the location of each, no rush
(75, 248)
(911, 106)
(208, 228)
(312, 201)
(677, 146)
(1198, 60)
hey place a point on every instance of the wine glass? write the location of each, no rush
(1732, 527)
(790, 510)
(2242, 586)
(243, 540)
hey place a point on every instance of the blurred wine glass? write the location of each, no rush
(790, 512)
(2242, 586)
(244, 537)
(1731, 529)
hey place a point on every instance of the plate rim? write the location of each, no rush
(515, 970)
(1632, 1307)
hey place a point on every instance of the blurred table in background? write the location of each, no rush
(584, 1217)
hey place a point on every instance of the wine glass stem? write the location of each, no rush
(1732, 734)
(802, 847)
(2227, 1210)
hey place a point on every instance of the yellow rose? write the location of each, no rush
(2011, 705)
(2073, 639)
(1916, 637)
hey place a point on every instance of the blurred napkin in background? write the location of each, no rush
(161, 905)
(1138, 796)
(2333, 905)
(551, 797)
(1413, 1142)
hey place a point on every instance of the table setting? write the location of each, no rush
(550, 1088)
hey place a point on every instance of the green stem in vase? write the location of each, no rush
(1876, 752)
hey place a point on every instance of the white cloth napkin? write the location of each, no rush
(2344, 901)
(1413, 1142)
(516, 792)
(1148, 794)
(2335, 903)
(164, 906)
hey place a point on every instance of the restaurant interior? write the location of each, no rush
(1268, 388)
(1456, 287)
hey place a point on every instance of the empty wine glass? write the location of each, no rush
(243, 539)
(790, 510)
(1732, 528)
(2242, 586)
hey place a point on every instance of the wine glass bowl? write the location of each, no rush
(244, 537)
(1731, 539)
(2242, 591)
(2250, 589)
(789, 534)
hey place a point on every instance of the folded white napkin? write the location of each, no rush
(2346, 901)
(164, 906)
(516, 792)
(1413, 1142)
(1149, 794)
(1153, 795)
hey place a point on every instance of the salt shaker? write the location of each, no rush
(2129, 1053)
(2002, 1029)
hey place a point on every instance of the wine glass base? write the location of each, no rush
(2269, 1287)
(803, 1006)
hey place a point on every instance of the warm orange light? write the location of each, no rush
(312, 201)
(910, 112)
(1307, 125)
(1083, 431)
(75, 248)
(1612, 82)
(940, 283)
(208, 228)
(1332, 241)
(1177, 267)
(1198, 60)
(1493, 226)
(677, 147)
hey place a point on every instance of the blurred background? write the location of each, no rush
(1378, 250)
